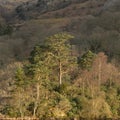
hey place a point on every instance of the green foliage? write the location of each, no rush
(9, 110)
(113, 100)
(40, 63)
(60, 50)
(86, 60)
(20, 78)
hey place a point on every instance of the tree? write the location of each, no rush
(60, 50)
(19, 91)
(39, 70)
(86, 61)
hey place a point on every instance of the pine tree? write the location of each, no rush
(39, 69)
(86, 61)
(19, 91)
(60, 50)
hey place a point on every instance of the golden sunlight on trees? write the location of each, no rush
(52, 84)
(60, 50)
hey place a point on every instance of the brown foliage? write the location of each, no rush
(100, 73)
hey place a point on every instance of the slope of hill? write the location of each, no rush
(7, 7)
(11, 3)
(96, 27)
(59, 8)
(94, 24)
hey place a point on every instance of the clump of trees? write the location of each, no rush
(54, 84)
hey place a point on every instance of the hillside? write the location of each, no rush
(94, 23)
(79, 17)
(11, 3)
(73, 70)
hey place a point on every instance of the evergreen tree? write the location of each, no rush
(87, 59)
(19, 91)
(39, 70)
(60, 50)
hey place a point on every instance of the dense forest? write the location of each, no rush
(60, 60)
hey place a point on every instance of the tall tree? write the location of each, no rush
(19, 92)
(39, 69)
(60, 50)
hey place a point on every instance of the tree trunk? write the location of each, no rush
(37, 99)
(60, 73)
(83, 88)
(99, 73)
(20, 105)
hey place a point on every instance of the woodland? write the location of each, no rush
(60, 60)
